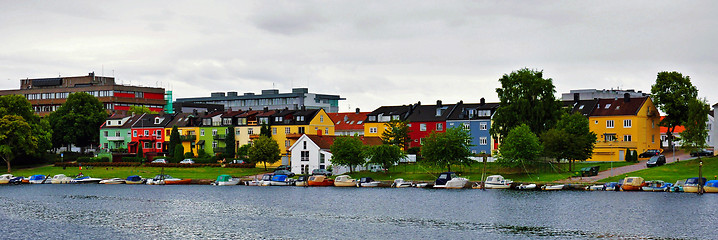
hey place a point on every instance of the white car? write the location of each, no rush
(187, 161)
(161, 160)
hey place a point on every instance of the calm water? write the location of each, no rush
(241, 212)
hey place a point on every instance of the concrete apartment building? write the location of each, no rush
(590, 94)
(270, 98)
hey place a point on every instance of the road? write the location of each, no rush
(627, 169)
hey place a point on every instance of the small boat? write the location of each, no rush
(367, 182)
(266, 179)
(301, 181)
(5, 178)
(60, 179)
(523, 186)
(711, 186)
(345, 181)
(691, 185)
(678, 186)
(17, 180)
(320, 180)
(86, 179)
(552, 187)
(281, 180)
(611, 186)
(656, 186)
(253, 182)
(422, 185)
(400, 183)
(113, 181)
(134, 179)
(497, 182)
(37, 179)
(596, 187)
(159, 179)
(633, 184)
(225, 180)
(177, 181)
(450, 180)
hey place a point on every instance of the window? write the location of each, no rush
(653, 138)
(304, 156)
(159, 145)
(626, 138)
(214, 132)
(627, 123)
(371, 118)
(372, 130)
(466, 126)
(395, 117)
(321, 118)
(326, 131)
(286, 143)
(321, 158)
(609, 137)
(250, 131)
(157, 120)
(482, 126)
(609, 124)
(147, 133)
(274, 131)
(653, 123)
(300, 130)
(201, 132)
(107, 133)
(608, 106)
(483, 141)
(214, 144)
(305, 144)
(158, 133)
(105, 145)
(134, 133)
(117, 133)
(237, 131)
(168, 133)
(422, 127)
(439, 127)
(147, 145)
(286, 130)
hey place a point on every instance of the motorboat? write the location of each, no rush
(60, 179)
(225, 180)
(611, 186)
(177, 181)
(266, 179)
(345, 181)
(523, 186)
(17, 180)
(86, 179)
(678, 186)
(367, 182)
(691, 185)
(301, 181)
(159, 179)
(633, 184)
(656, 186)
(552, 187)
(134, 179)
(5, 178)
(281, 180)
(497, 182)
(422, 185)
(113, 181)
(320, 180)
(450, 180)
(400, 183)
(37, 179)
(711, 186)
(253, 182)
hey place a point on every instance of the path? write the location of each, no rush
(617, 171)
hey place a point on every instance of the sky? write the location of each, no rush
(372, 53)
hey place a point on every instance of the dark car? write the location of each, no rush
(650, 153)
(284, 172)
(321, 172)
(282, 167)
(702, 152)
(656, 161)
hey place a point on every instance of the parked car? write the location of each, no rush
(650, 153)
(321, 172)
(159, 160)
(283, 167)
(284, 172)
(187, 161)
(237, 161)
(656, 161)
(702, 152)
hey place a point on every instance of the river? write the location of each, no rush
(240, 212)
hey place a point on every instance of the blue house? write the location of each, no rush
(476, 119)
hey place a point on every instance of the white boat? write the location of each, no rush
(61, 179)
(5, 178)
(552, 187)
(86, 179)
(281, 180)
(530, 186)
(345, 181)
(450, 180)
(254, 182)
(596, 187)
(113, 181)
(367, 182)
(225, 180)
(400, 183)
(421, 185)
(301, 181)
(266, 180)
(497, 182)
(160, 179)
(37, 179)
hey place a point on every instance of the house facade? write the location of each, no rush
(375, 123)
(349, 123)
(149, 132)
(187, 126)
(476, 119)
(311, 152)
(427, 119)
(211, 134)
(115, 132)
(289, 125)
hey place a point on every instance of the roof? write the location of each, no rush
(431, 113)
(677, 130)
(230, 114)
(403, 112)
(268, 113)
(116, 116)
(585, 107)
(182, 120)
(461, 111)
(617, 107)
(212, 114)
(348, 120)
(325, 141)
(148, 121)
(248, 114)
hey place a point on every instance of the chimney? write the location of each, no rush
(626, 97)
(576, 97)
(266, 109)
(438, 103)
(418, 103)
(357, 110)
(482, 101)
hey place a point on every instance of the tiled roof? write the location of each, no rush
(249, 114)
(428, 113)
(618, 107)
(403, 111)
(679, 129)
(461, 112)
(348, 120)
(230, 114)
(585, 107)
(148, 121)
(267, 113)
(212, 114)
(182, 120)
(325, 142)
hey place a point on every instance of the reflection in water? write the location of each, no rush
(239, 212)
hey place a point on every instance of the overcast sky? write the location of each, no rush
(372, 53)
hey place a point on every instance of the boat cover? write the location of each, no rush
(134, 178)
(712, 183)
(279, 178)
(37, 177)
(224, 178)
(694, 181)
(366, 180)
(443, 178)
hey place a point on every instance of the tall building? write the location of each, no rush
(590, 94)
(48, 94)
(270, 98)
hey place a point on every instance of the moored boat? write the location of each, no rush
(36, 179)
(678, 186)
(345, 181)
(633, 184)
(225, 180)
(711, 186)
(367, 182)
(691, 185)
(86, 179)
(524, 186)
(552, 187)
(281, 180)
(5, 178)
(301, 181)
(497, 182)
(159, 179)
(134, 179)
(400, 183)
(113, 181)
(611, 186)
(61, 179)
(450, 180)
(656, 186)
(596, 187)
(319, 180)
(177, 181)
(266, 179)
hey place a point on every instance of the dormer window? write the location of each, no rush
(608, 106)
(580, 107)
(157, 120)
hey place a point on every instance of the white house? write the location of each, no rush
(311, 152)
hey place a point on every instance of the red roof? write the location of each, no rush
(325, 142)
(679, 129)
(618, 107)
(348, 120)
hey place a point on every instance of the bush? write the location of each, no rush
(188, 155)
(179, 165)
(133, 159)
(92, 159)
(240, 165)
(205, 160)
(98, 164)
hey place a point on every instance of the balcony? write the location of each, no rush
(115, 139)
(219, 137)
(616, 144)
(254, 136)
(149, 137)
(188, 138)
(219, 150)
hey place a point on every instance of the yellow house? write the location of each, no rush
(375, 123)
(289, 125)
(187, 128)
(624, 124)
(247, 125)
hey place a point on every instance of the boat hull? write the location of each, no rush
(631, 188)
(710, 189)
(178, 182)
(345, 184)
(526, 187)
(496, 186)
(455, 183)
(552, 188)
(690, 189)
(369, 184)
(276, 183)
(320, 184)
(133, 182)
(227, 183)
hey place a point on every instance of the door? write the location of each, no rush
(621, 155)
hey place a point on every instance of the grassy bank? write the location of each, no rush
(674, 171)
(547, 173)
(148, 172)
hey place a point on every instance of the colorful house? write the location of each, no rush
(246, 126)
(426, 119)
(476, 119)
(375, 123)
(311, 152)
(187, 127)
(115, 132)
(288, 125)
(211, 134)
(149, 131)
(349, 123)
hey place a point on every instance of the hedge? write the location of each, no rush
(92, 159)
(180, 165)
(240, 165)
(97, 164)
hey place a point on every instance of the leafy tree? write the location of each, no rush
(385, 155)
(230, 147)
(140, 151)
(571, 139)
(672, 93)
(22, 133)
(266, 150)
(178, 153)
(348, 151)
(140, 110)
(694, 137)
(243, 151)
(397, 134)
(174, 141)
(444, 149)
(526, 98)
(520, 148)
(265, 131)
(78, 121)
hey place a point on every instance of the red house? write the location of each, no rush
(426, 119)
(148, 131)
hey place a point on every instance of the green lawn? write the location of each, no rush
(545, 174)
(674, 171)
(148, 172)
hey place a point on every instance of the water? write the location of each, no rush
(241, 212)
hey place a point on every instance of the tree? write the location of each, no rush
(243, 151)
(348, 151)
(444, 149)
(571, 139)
(174, 141)
(526, 98)
(178, 153)
(396, 133)
(520, 148)
(694, 137)
(78, 121)
(672, 93)
(265, 131)
(140, 152)
(266, 150)
(22, 133)
(385, 155)
(229, 147)
(140, 110)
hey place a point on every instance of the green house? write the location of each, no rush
(115, 132)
